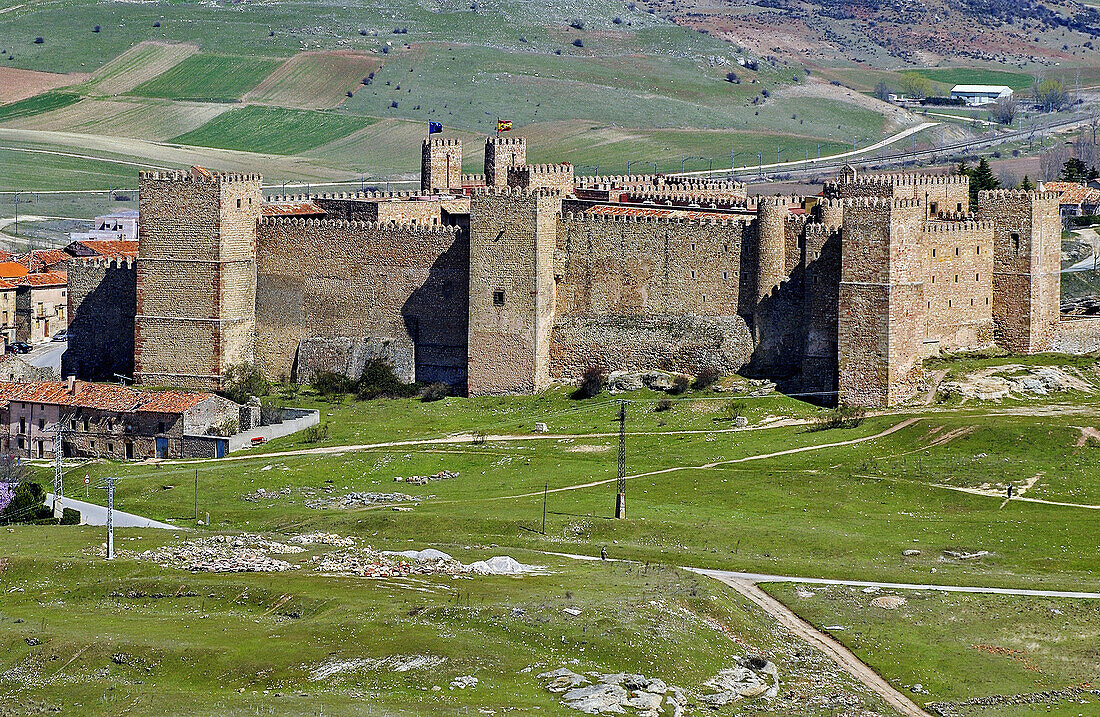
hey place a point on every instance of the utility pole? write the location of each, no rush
(545, 490)
(58, 474)
(196, 495)
(110, 518)
(620, 484)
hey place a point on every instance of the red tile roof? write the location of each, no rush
(12, 270)
(291, 209)
(112, 248)
(40, 259)
(100, 396)
(633, 210)
(45, 278)
(6, 285)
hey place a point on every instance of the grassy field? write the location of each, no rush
(21, 170)
(208, 78)
(37, 105)
(139, 64)
(952, 76)
(314, 80)
(955, 646)
(272, 130)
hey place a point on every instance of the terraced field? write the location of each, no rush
(141, 63)
(314, 80)
(37, 105)
(17, 84)
(273, 130)
(124, 117)
(209, 78)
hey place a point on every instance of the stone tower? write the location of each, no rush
(196, 276)
(513, 235)
(881, 305)
(1027, 244)
(440, 164)
(502, 152)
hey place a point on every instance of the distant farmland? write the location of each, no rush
(273, 130)
(209, 78)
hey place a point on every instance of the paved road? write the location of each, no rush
(92, 514)
(47, 355)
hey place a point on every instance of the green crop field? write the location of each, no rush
(209, 78)
(21, 170)
(973, 76)
(37, 105)
(273, 130)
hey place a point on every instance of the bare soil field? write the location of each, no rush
(140, 63)
(314, 80)
(896, 117)
(17, 84)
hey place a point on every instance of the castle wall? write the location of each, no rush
(502, 152)
(542, 176)
(195, 276)
(399, 291)
(938, 193)
(821, 284)
(102, 305)
(643, 293)
(440, 164)
(958, 285)
(881, 302)
(1026, 264)
(513, 234)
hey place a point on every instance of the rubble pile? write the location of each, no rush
(337, 541)
(1015, 380)
(360, 500)
(424, 480)
(370, 564)
(752, 677)
(615, 693)
(263, 494)
(223, 554)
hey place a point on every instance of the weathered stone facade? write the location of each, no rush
(440, 164)
(102, 307)
(531, 275)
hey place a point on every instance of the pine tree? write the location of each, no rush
(962, 170)
(982, 179)
(1026, 185)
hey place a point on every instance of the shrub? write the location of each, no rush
(618, 21)
(157, 24)
(27, 505)
(706, 378)
(576, 23)
(842, 416)
(578, 43)
(316, 434)
(348, 93)
(330, 383)
(733, 409)
(592, 383)
(733, 78)
(70, 516)
(243, 381)
(379, 381)
(95, 29)
(38, 40)
(680, 384)
(435, 392)
(665, 404)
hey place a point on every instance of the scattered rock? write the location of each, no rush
(888, 602)
(359, 500)
(424, 480)
(322, 539)
(959, 555)
(910, 553)
(461, 683)
(541, 428)
(752, 677)
(614, 693)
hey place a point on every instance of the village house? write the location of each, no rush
(41, 306)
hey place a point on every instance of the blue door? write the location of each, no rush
(162, 448)
(220, 446)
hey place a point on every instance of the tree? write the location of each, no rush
(881, 91)
(982, 179)
(962, 170)
(1051, 95)
(1026, 185)
(1004, 110)
(1074, 170)
(243, 381)
(915, 85)
(28, 505)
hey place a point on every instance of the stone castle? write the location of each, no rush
(526, 275)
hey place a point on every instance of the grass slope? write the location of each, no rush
(139, 64)
(272, 130)
(209, 78)
(314, 80)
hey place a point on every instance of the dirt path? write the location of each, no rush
(937, 379)
(987, 492)
(839, 654)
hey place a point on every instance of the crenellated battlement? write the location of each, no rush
(517, 191)
(197, 175)
(563, 168)
(940, 226)
(109, 262)
(442, 142)
(393, 226)
(884, 203)
(1017, 194)
(499, 140)
(597, 218)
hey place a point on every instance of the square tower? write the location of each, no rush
(1027, 245)
(502, 152)
(513, 235)
(881, 305)
(196, 276)
(440, 164)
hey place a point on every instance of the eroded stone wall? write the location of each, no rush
(958, 285)
(102, 306)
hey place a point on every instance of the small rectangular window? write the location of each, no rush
(933, 252)
(160, 427)
(238, 204)
(956, 278)
(956, 251)
(725, 275)
(693, 274)
(41, 424)
(498, 298)
(976, 277)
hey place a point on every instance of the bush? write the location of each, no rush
(316, 434)
(733, 78)
(243, 381)
(157, 24)
(842, 416)
(435, 392)
(617, 21)
(665, 404)
(330, 383)
(1085, 220)
(680, 384)
(706, 378)
(578, 43)
(70, 516)
(379, 381)
(226, 428)
(95, 29)
(27, 505)
(592, 383)
(577, 24)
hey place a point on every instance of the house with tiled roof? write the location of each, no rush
(40, 260)
(1075, 200)
(41, 305)
(111, 421)
(121, 225)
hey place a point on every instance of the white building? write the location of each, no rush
(978, 95)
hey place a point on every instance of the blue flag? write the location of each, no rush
(435, 127)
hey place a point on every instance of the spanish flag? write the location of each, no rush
(504, 125)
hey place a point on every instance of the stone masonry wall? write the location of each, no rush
(958, 285)
(403, 285)
(440, 164)
(644, 293)
(502, 152)
(102, 305)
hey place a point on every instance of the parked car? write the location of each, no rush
(19, 347)
(62, 335)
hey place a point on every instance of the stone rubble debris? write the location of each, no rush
(752, 677)
(1015, 380)
(332, 539)
(390, 663)
(461, 683)
(424, 480)
(888, 602)
(615, 693)
(223, 554)
(959, 555)
(360, 500)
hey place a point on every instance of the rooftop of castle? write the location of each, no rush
(633, 210)
(111, 248)
(291, 209)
